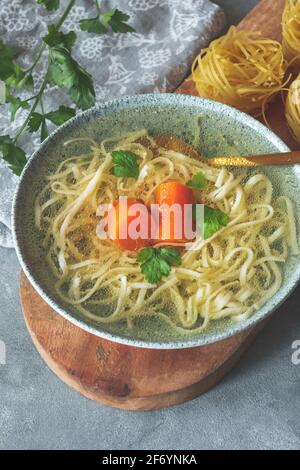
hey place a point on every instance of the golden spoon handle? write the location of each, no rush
(285, 158)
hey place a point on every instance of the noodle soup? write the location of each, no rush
(228, 271)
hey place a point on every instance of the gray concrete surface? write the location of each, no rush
(257, 406)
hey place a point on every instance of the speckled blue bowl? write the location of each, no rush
(212, 127)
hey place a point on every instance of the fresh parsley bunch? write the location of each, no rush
(62, 70)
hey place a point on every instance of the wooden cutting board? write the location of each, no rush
(266, 18)
(135, 378)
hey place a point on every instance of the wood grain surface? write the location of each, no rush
(266, 18)
(124, 376)
(135, 378)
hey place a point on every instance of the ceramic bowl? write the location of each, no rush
(211, 127)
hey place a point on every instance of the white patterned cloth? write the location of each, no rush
(156, 58)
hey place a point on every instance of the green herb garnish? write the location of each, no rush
(214, 220)
(198, 181)
(125, 163)
(157, 262)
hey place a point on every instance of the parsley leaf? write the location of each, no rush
(114, 18)
(214, 220)
(56, 38)
(92, 25)
(58, 117)
(11, 73)
(83, 93)
(157, 262)
(7, 67)
(61, 115)
(49, 4)
(117, 21)
(198, 181)
(19, 79)
(12, 154)
(15, 104)
(7, 52)
(125, 163)
(145, 255)
(44, 130)
(62, 68)
(16, 79)
(5, 139)
(171, 256)
(155, 269)
(65, 72)
(35, 122)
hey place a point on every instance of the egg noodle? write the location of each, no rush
(241, 69)
(292, 108)
(291, 47)
(291, 32)
(231, 274)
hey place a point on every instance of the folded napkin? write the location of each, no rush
(156, 58)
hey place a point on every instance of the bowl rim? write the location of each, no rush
(120, 104)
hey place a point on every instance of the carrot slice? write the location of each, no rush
(129, 224)
(172, 197)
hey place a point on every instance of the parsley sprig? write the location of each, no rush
(124, 163)
(157, 262)
(13, 155)
(115, 19)
(213, 221)
(38, 121)
(63, 70)
(49, 4)
(198, 181)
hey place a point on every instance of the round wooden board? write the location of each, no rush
(124, 376)
(133, 378)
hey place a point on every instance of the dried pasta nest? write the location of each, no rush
(241, 69)
(291, 32)
(292, 108)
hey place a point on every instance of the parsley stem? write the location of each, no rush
(37, 59)
(42, 105)
(98, 6)
(35, 103)
(57, 26)
(65, 13)
(45, 81)
(30, 98)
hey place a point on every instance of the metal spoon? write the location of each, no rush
(284, 158)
